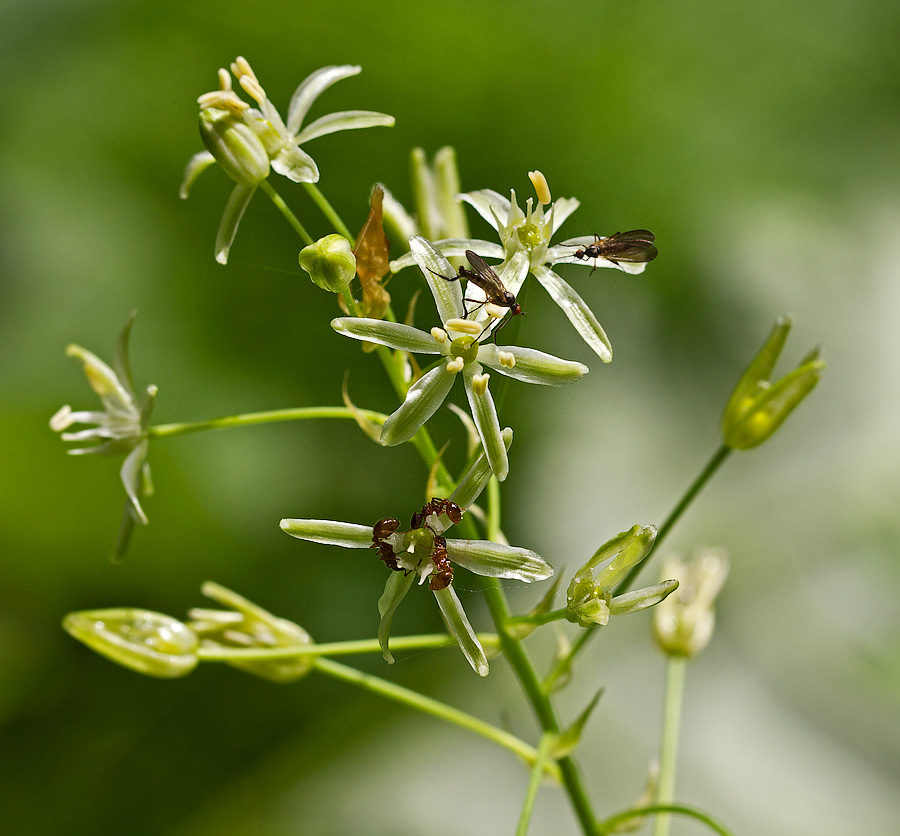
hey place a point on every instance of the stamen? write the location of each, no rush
(480, 383)
(61, 419)
(439, 334)
(455, 365)
(253, 89)
(495, 311)
(507, 359)
(541, 188)
(464, 326)
(241, 67)
(224, 80)
(224, 100)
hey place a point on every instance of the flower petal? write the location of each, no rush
(311, 88)
(485, 415)
(484, 200)
(343, 120)
(121, 363)
(196, 165)
(477, 476)
(458, 626)
(496, 560)
(512, 273)
(103, 380)
(447, 294)
(453, 248)
(295, 164)
(533, 366)
(422, 401)
(348, 535)
(392, 334)
(231, 218)
(399, 224)
(131, 478)
(398, 584)
(562, 208)
(576, 309)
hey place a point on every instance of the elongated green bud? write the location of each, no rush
(147, 642)
(330, 262)
(758, 407)
(235, 145)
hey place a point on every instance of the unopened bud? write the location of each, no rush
(235, 145)
(147, 642)
(758, 407)
(330, 262)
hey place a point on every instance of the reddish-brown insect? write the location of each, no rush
(380, 531)
(436, 506)
(633, 247)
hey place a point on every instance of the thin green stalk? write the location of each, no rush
(412, 699)
(712, 466)
(564, 663)
(537, 773)
(540, 702)
(423, 642)
(540, 618)
(610, 824)
(668, 751)
(328, 211)
(285, 210)
(249, 419)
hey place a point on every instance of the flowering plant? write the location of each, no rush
(474, 299)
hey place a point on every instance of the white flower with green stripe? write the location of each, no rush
(422, 553)
(244, 140)
(460, 345)
(528, 233)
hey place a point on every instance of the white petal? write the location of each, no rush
(348, 535)
(576, 309)
(398, 584)
(392, 334)
(477, 476)
(453, 248)
(533, 366)
(562, 208)
(344, 120)
(295, 164)
(131, 477)
(196, 165)
(422, 400)
(447, 294)
(484, 200)
(311, 88)
(495, 560)
(231, 218)
(458, 626)
(485, 415)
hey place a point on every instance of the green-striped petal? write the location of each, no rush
(458, 626)
(422, 400)
(348, 535)
(495, 560)
(484, 414)
(398, 584)
(447, 294)
(533, 366)
(344, 120)
(477, 476)
(231, 218)
(392, 334)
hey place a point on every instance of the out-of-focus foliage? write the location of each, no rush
(757, 141)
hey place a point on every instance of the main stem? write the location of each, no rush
(668, 753)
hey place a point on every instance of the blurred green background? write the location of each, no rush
(758, 141)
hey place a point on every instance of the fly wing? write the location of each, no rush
(485, 277)
(635, 246)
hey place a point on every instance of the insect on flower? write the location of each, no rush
(483, 276)
(634, 247)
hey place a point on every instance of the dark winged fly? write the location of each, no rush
(482, 275)
(633, 247)
(443, 577)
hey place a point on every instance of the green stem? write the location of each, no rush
(285, 210)
(537, 773)
(564, 663)
(412, 699)
(328, 211)
(540, 702)
(668, 754)
(712, 466)
(539, 618)
(610, 825)
(249, 419)
(423, 642)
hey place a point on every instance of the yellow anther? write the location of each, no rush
(224, 80)
(464, 326)
(439, 334)
(507, 359)
(252, 88)
(480, 383)
(226, 100)
(62, 419)
(495, 311)
(241, 67)
(540, 186)
(455, 365)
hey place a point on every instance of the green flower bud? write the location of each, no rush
(330, 262)
(588, 597)
(147, 642)
(684, 621)
(758, 407)
(235, 145)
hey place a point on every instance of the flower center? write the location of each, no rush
(465, 348)
(530, 235)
